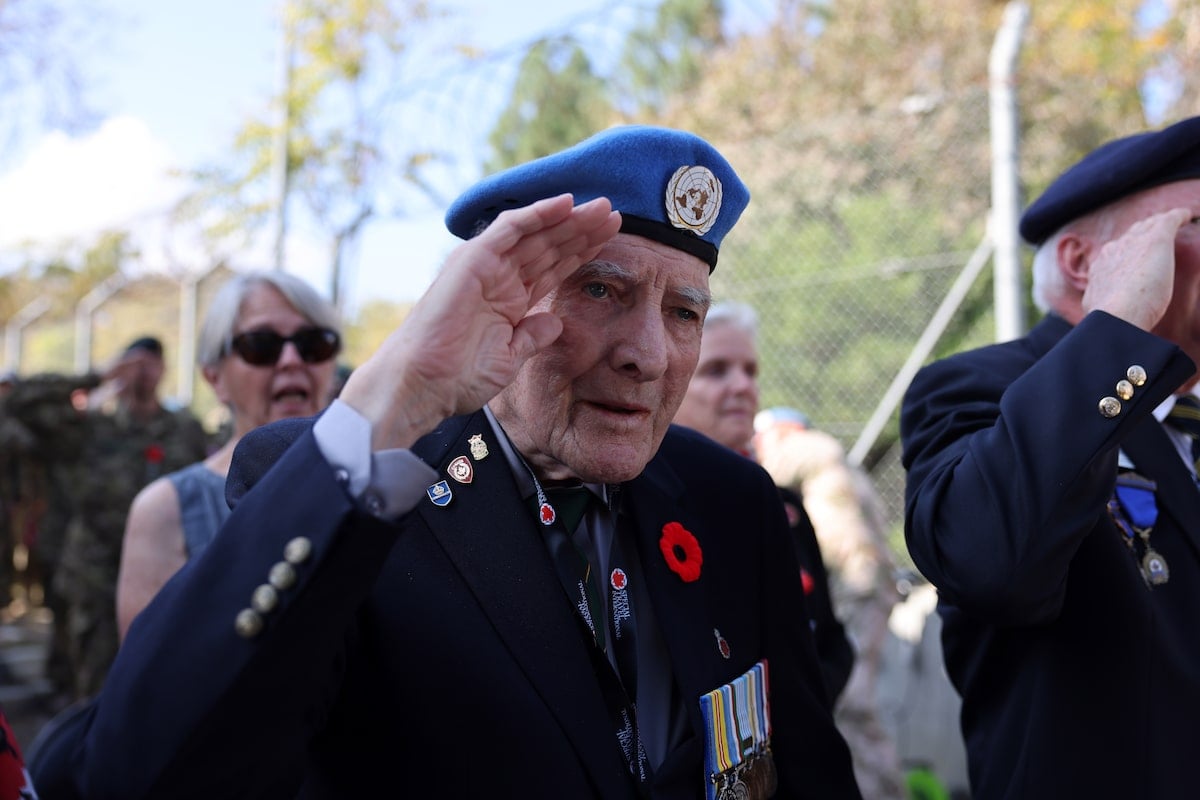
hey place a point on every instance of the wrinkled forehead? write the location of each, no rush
(634, 259)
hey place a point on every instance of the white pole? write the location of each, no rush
(1008, 294)
(15, 326)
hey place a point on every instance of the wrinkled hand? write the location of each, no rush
(470, 333)
(1133, 276)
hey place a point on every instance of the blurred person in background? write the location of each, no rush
(42, 436)
(722, 403)
(132, 439)
(895, 682)
(267, 347)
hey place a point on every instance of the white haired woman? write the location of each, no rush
(267, 347)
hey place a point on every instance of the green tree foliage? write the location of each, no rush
(1083, 77)
(561, 97)
(556, 101)
(343, 164)
(665, 60)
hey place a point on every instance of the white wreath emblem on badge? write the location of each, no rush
(693, 199)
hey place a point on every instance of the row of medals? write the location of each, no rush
(753, 779)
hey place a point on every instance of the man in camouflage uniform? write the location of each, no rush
(42, 435)
(13, 438)
(125, 450)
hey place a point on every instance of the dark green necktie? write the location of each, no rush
(570, 504)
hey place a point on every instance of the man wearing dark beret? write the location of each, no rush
(1052, 494)
(492, 568)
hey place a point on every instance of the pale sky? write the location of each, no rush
(173, 83)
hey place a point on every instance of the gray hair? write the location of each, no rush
(739, 315)
(222, 316)
(1048, 281)
(1049, 286)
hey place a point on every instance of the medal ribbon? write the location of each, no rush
(1136, 496)
(737, 726)
(1134, 509)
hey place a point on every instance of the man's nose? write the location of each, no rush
(641, 347)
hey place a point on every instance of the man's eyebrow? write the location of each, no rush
(606, 269)
(695, 296)
(690, 295)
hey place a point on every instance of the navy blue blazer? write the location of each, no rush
(438, 655)
(1078, 679)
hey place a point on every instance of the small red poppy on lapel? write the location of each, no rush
(806, 581)
(682, 552)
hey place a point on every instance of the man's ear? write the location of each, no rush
(1074, 260)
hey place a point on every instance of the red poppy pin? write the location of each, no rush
(155, 454)
(682, 552)
(807, 582)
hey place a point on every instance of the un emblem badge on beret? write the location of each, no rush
(693, 199)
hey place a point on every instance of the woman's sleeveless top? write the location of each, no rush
(202, 506)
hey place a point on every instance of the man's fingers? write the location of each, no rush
(511, 226)
(533, 333)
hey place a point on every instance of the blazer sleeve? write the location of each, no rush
(192, 707)
(1011, 462)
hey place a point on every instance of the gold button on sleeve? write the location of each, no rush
(265, 598)
(1136, 374)
(282, 575)
(1110, 407)
(1124, 390)
(297, 550)
(248, 623)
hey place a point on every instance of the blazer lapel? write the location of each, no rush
(683, 610)
(492, 538)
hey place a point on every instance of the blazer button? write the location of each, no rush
(1110, 407)
(1136, 375)
(265, 598)
(297, 550)
(248, 623)
(282, 575)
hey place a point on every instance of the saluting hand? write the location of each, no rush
(1133, 276)
(470, 333)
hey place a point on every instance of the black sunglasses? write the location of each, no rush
(263, 348)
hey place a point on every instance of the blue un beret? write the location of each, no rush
(670, 186)
(1114, 170)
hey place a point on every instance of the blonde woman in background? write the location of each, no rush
(268, 348)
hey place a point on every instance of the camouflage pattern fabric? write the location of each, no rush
(122, 454)
(41, 442)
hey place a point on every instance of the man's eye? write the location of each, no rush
(597, 290)
(686, 314)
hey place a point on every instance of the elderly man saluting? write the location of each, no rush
(491, 569)
(1057, 515)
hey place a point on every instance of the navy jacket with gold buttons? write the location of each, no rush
(1079, 677)
(437, 656)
